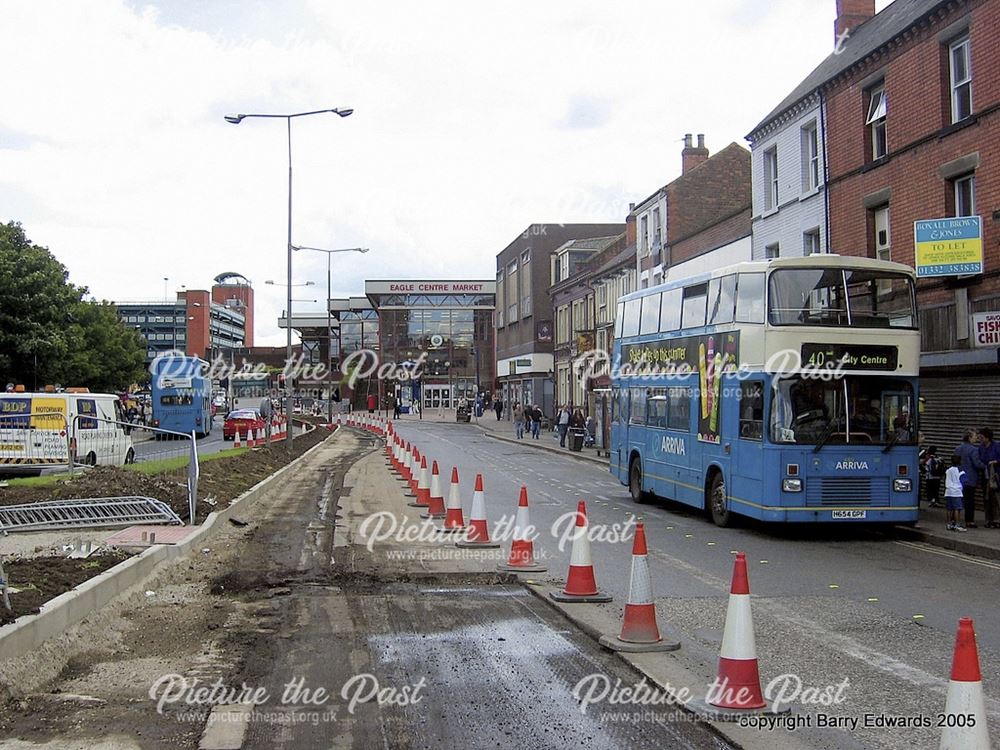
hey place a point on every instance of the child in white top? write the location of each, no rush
(953, 493)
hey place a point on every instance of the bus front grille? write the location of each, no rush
(847, 491)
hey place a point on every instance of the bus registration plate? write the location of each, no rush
(853, 515)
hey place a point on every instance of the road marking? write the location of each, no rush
(953, 555)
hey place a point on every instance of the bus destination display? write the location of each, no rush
(849, 356)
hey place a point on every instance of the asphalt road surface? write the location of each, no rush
(829, 604)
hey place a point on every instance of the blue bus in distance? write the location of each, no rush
(781, 390)
(181, 394)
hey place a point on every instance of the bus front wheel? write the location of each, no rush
(717, 501)
(635, 482)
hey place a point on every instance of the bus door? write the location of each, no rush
(748, 454)
(617, 450)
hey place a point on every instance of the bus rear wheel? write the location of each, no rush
(717, 501)
(635, 482)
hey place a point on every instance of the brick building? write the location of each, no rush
(712, 192)
(913, 123)
(524, 323)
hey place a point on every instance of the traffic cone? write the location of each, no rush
(581, 586)
(414, 468)
(435, 499)
(236, 440)
(252, 439)
(639, 631)
(522, 547)
(965, 701)
(736, 691)
(423, 486)
(405, 459)
(478, 532)
(453, 518)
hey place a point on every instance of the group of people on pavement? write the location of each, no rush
(973, 467)
(526, 416)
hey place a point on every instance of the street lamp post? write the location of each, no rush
(236, 120)
(329, 321)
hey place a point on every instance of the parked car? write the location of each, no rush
(243, 420)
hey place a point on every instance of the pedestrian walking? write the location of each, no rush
(518, 413)
(989, 455)
(934, 471)
(498, 408)
(968, 451)
(953, 493)
(371, 403)
(578, 421)
(562, 424)
(395, 408)
(536, 421)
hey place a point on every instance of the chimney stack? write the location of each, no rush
(692, 156)
(850, 15)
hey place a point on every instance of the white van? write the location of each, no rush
(39, 430)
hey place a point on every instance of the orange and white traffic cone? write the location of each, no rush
(414, 468)
(478, 531)
(453, 518)
(736, 691)
(965, 707)
(423, 486)
(435, 498)
(252, 439)
(581, 585)
(522, 546)
(405, 459)
(236, 440)
(639, 630)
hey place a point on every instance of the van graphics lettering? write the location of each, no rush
(674, 445)
(852, 465)
(87, 409)
(14, 413)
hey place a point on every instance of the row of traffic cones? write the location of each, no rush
(737, 690)
(255, 438)
(370, 422)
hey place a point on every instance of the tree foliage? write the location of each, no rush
(49, 333)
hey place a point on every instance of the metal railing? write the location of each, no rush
(171, 456)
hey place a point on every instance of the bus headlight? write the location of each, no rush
(791, 485)
(902, 485)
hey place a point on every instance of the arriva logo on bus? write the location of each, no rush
(852, 465)
(673, 445)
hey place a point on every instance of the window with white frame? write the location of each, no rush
(771, 178)
(810, 157)
(772, 251)
(657, 236)
(877, 109)
(810, 242)
(644, 234)
(526, 306)
(964, 193)
(882, 240)
(960, 64)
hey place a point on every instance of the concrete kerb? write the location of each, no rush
(62, 612)
(668, 671)
(550, 448)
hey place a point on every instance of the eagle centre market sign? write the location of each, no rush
(430, 287)
(948, 247)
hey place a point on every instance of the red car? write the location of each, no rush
(243, 420)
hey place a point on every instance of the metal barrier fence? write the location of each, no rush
(171, 456)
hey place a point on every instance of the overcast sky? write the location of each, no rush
(472, 120)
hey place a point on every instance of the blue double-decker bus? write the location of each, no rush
(783, 390)
(181, 394)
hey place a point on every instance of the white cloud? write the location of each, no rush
(471, 122)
